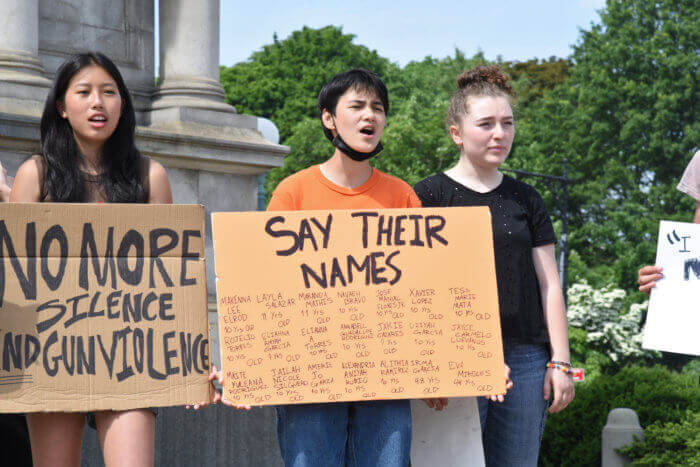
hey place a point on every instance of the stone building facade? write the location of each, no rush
(212, 154)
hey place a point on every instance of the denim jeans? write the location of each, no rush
(512, 430)
(371, 433)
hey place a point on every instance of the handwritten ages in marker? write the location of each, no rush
(354, 305)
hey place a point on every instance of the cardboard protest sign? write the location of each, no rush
(318, 306)
(102, 306)
(673, 319)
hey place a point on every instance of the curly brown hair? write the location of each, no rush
(479, 81)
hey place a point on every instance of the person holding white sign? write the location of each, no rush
(690, 185)
(88, 154)
(533, 316)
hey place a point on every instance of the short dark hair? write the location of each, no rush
(358, 79)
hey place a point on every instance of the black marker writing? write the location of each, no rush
(119, 354)
(691, 264)
(306, 233)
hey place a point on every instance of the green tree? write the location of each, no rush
(532, 78)
(415, 140)
(281, 81)
(659, 396)
(671, 443)
(626, 121)
(611, 329)
(621, 110)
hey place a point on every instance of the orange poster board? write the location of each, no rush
(320, 306)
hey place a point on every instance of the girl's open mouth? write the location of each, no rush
(97, 121)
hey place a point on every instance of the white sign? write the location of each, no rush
(673, 320)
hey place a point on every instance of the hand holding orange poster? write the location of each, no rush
(319, 306)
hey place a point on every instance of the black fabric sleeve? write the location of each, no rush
(426, 191)
(540, 223)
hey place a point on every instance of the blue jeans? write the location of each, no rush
(371, 433)
(512, 430)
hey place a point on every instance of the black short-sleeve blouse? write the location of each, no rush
(520, 223)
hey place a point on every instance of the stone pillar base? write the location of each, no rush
(193, 86)
(22, 62)
(220, 116)
(23, 87)
(192, 92)
(200, 102)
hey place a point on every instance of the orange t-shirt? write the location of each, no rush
(309, 189)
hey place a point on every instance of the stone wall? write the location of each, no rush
(122, 30)
(213, 156)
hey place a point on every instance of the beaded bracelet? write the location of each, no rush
(566, 364)
(566, 369)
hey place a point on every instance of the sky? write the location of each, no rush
(409, 30)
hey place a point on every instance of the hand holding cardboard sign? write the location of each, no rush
(214, 374)
(438, 403)
(217, 375)
(647, 277)
(220, 397)
(509, 385)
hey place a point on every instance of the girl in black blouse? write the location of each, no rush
(533, 316)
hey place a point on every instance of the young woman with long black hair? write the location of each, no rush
(88, 155)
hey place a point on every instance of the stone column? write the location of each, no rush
(189, 60)
(21, 72)
(621, 429)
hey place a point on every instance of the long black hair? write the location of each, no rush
(121, 178)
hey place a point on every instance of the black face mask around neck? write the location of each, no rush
(351, 153)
